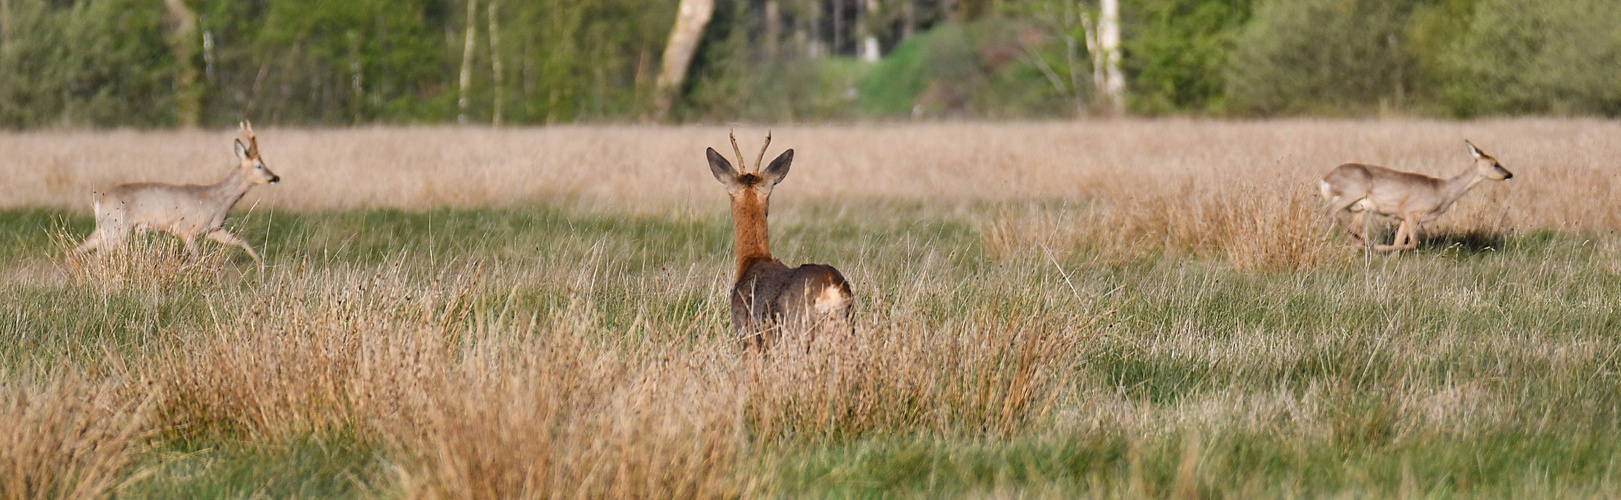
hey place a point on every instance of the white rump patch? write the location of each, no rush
(831, 300)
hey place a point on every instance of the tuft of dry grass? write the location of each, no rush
(68, 435)
(146, 262)
(584, 353)
(488, 407)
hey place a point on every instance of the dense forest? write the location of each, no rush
(162, 63)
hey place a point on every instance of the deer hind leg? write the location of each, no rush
(1336, 211)
(91, 243)
(106, 238)
(1358, 228)
(227, 238)
(94, 242)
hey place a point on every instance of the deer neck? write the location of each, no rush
(749, 216)
(1454, 188)
(232, 187)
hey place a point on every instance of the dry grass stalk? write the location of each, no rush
(152, 264)
(316, 352)
(483, 408)
(69, 436)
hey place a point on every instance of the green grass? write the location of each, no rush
(308, 467)
(1478, 366)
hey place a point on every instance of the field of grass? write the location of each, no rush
(1104, 309)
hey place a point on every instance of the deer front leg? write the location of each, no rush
(1412, 234)
(227, 238)
(1404, 240)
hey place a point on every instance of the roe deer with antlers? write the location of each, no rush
(1411, 198)
(769, 298)
(185, 211)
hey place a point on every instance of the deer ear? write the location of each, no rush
(721, 168)
(779, 167)
(241, 151)
(1472, 149)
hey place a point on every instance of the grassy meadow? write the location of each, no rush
(1097, 309)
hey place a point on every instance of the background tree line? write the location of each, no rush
(151, 63)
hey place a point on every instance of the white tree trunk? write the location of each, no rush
(908, 20)
(1114, 82)
(467, 63)
(869, 43)
(690, 20)
(773, 29)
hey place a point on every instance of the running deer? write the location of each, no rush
(769, 298)
(185, 211)
(1413, 199)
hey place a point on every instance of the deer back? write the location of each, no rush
(164, 207)
(770, 295)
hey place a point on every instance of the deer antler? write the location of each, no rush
(246, 128)
(741, 167)
(758, 160)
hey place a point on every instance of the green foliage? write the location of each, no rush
(104, 63)
(1537, 57)
(96, 62)
(983, 69)
(1322, 56)
(108, 63)
(1176, 52)
(309, 61)
(30, 86)
(945, 59)
(737, 79)
(893, 87)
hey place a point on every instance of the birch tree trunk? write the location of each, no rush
(869, 42)
(690, 20)
(773, 29)
(1114, 82)
(188, 96)
(467, 63)
(908, 19)
(495, 64)
(814, 48)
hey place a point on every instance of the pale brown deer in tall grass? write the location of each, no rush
(769, 298)
(183, 210)
(1413, 199)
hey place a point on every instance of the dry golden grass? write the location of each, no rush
(66, 435)
(1247, 190)
(471, 400)
(556, 407)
